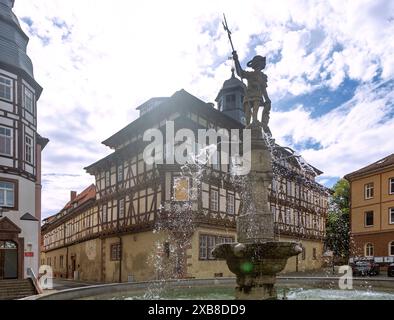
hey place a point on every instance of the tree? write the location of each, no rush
(338, 221)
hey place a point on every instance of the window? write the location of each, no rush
(369, 218)
(230, 101)
(368, 191)
(115, 252)
(54, 262)
(6, 88)
(391, 215)
(6, 141)
(214, 200)
(209, 242)
(120, 173)
(203, 247)
(369, 250)
(391, 186)
(288, 216)
(303, 254)
(107, 179)
(121, 209)
(29, 149)
(104, 214)
(314, 254)
(7, 194)
(231, 204)
(29, 100)
(61, 262)
(211, 246)
(391, 248)
(289, 188)
(167, 249)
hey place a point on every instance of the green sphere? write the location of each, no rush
(247, 267)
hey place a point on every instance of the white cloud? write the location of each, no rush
(110, 56)
(351, 136)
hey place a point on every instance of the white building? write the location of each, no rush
(20, 152)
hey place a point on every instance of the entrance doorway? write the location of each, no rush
(8, 260)
(73, 266)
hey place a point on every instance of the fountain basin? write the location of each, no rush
(256, 266)
(256, 259)
(296, 288)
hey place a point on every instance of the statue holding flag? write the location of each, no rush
(256, 93)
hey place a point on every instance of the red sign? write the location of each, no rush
(29, 254)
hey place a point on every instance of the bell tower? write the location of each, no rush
(230, 98)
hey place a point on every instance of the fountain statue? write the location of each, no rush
(257, 257)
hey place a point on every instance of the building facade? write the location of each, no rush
(162, 220)
(372, 210)
(20, 152)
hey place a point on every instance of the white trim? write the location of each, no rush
(391, 214)
(365, 250)
(28, 95)
(214, 200)
(10, 137)
(5, 191)
(391, 183)
(10, 86)
(371, 189)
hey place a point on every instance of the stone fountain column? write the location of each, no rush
(255, 223)
(257, 257)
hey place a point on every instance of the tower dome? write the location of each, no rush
(230, 98)
(13, 41)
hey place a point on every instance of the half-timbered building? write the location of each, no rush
(20, 152)
(150, 221)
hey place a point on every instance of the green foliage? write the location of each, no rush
(338, 221)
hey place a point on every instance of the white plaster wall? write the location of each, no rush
(26, 204)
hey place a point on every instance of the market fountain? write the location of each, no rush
(258, 256)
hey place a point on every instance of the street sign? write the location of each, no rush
(29, 254)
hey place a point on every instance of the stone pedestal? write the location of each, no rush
(263, 289)
(255, 223)
(257, 258)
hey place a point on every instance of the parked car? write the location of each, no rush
(390, 270)
(366, 268)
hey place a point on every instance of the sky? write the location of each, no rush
(330, 67)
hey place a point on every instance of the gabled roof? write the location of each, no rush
(377, 166)
(28, 217)
(86, 195)
(180, 99)
(152, 101)
(7, 226)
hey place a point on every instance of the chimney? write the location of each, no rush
(73, 195)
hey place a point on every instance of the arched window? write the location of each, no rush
(391, 248)
(369, 250)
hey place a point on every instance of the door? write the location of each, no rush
(73, 266)
(8, 260)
